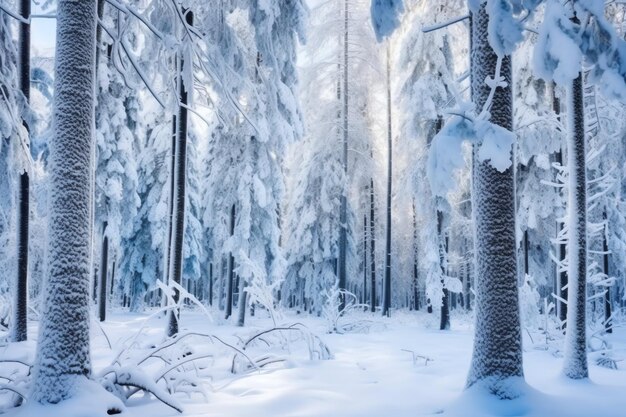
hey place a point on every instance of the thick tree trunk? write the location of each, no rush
(387, 280)
(180, 178)
(497, 355)
(63, 362)
(575, 358)
(102, 282)
(20, 310)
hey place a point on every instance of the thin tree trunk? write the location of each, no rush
(343, 214)
(561, 276)
(444, 323)
(416, 305)
(608, 325)
(231, 269)
(575, 358)
(372, 250)
(20, 311)
(497, 353)
(387, 290)
(241, 318)
(364, 260)
(102, 282)
(180, 177)
(62, 360)
(211, 283)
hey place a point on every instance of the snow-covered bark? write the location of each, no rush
(63, 358)
(179, 177)
(20, 309)
(497, 354)
(575, 358)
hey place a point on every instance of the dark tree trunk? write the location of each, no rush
(364, 298)
(416, 305)
(372, 250)
(608, 325)
(180, 178)
(211, 283)
(387, 281)
(561, 276)
(102, 282)
(20, 313)
(444, 323)
(231, 269)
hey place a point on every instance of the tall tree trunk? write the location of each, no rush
(364, 298)
(168, 255)
(180, 178)
(102, 282)
(343, 214)
(231, 269)
(372, 249)
(416, 305)
(444, 323)
(608, 325)
(63, 360)
(561, 276)
(19, 320)
(497, 353)
(387, 281)
(575, 358)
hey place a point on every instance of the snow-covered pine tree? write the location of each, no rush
(427, 90)
(117, 146)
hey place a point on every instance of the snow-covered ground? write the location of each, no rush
(373, 374)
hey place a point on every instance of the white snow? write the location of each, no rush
(383, 372)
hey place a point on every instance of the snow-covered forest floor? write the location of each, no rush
(373, 372)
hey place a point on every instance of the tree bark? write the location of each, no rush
(608, 325)
(497, 354)
(343, 214)
(372, 250)
(231, 269)
(180, 178)
(20, 310)
(387, 281)
(561, 276)
(102, 282)
(62, 360)
(575, 358)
